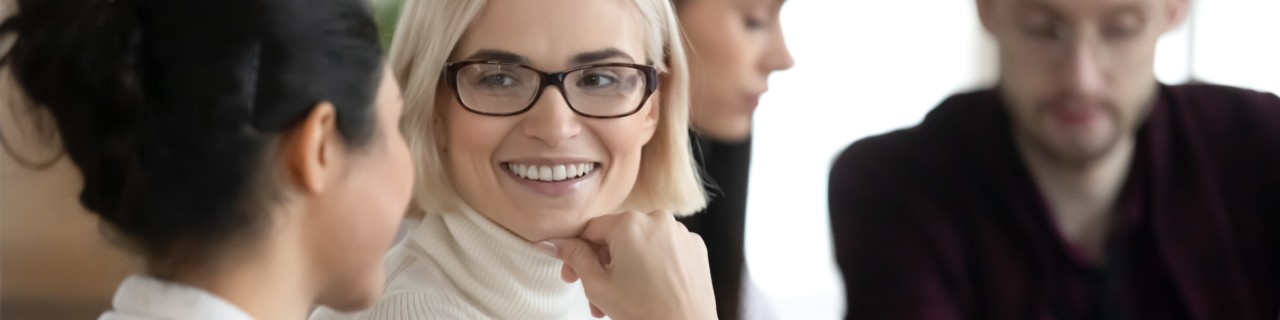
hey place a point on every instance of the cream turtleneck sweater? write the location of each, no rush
(464, 266)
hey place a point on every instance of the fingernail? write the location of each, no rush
(548, 249)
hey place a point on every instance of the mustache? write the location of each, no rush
(1071, 101)
(1077, 101)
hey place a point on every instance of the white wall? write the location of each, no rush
(1238, 43)
(867, 67)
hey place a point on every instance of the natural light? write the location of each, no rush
(868, 67)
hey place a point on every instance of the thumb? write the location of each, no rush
(581, 258)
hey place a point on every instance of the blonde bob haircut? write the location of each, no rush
(428, 31)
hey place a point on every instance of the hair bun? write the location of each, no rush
(80, 60)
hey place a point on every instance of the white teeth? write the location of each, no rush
(558, 172)
(544, 173)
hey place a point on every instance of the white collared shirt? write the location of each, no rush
(146, 298)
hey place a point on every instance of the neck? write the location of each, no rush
(1081, 196)
(266, 282)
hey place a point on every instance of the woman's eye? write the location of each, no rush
(497, 81)
(596, 81)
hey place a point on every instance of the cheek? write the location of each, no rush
(622, 139)
(730, 55)
(473, 140)
(1025, 66)
(1020, 100)
(721, 48)
(381, 190)
(471, 137)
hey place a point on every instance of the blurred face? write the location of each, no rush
(1078, 75)
(734, 46)
(542, 172)
(361, 214)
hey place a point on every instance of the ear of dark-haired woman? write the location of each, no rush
(34, 124)
(309, 148)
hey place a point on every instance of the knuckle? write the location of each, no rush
(696, 241)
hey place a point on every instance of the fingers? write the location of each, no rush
(567, 274)
(633, 224)
(595, 311)
(579, 257)
(599, 229)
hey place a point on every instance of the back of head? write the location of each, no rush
(168, 107)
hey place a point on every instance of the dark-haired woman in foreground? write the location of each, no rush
(248, 150)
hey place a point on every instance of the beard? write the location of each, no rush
(1070, 145)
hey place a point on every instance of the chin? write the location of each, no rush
(361, 303)
(557, 227)
(358, 296)
(729, 133)
(1084, 150)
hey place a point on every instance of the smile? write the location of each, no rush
(550, 173)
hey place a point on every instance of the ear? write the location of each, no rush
(440, 133)
(1177, 13)
(308, 148)
(653, 116)
(984, 14)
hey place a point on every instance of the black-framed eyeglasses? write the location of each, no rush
(497, 88)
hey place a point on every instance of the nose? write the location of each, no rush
(776, 56)
(551, 121)
(1084, 72)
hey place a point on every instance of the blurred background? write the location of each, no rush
(862, 68)
(868, 67)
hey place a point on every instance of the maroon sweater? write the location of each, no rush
(943, 220)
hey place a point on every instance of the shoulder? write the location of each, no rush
(1220, 106)
(1235, 118)
(1213, 94)
(949, 132)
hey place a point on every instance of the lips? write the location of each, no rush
(1075, 116)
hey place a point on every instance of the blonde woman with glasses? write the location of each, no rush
(551, 144)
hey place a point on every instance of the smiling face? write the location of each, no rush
(544, 172)
(1078, 74)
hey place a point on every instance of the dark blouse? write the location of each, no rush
(724, 170)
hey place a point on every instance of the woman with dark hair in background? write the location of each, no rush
(733, 47)
(248, 150)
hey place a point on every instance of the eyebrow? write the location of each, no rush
(1114, 11)
(600, 55)
(1040, 6)
(1126, 9)
(498, 55)
(577, 60)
